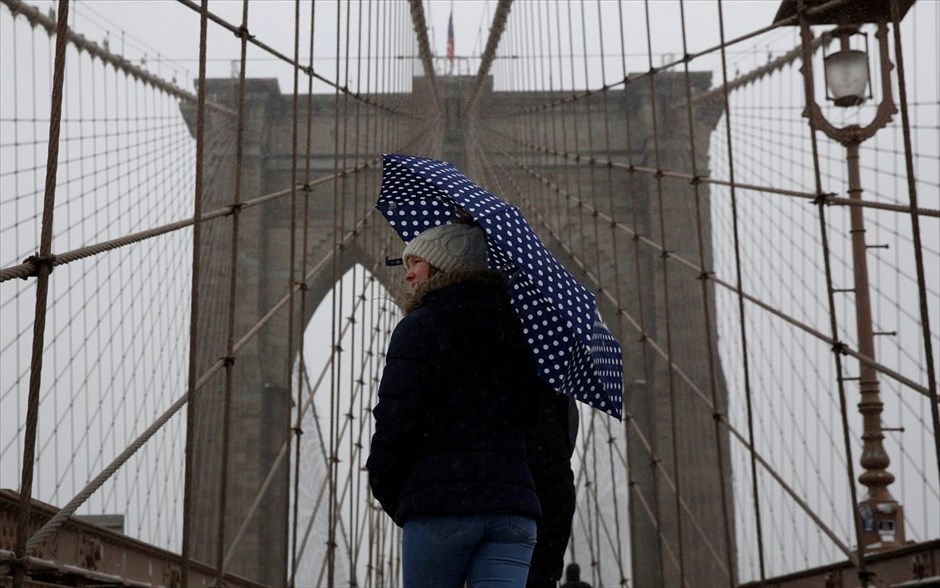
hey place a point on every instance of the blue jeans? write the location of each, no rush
(487, 549)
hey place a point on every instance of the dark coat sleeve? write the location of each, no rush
(398, 415)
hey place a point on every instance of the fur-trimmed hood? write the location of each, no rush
(441, 280)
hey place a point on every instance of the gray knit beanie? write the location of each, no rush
(450, 248)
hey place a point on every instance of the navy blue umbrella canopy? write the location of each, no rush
(575, 351)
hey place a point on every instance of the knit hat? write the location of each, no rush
(450, 248)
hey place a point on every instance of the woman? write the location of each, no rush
(448, 460)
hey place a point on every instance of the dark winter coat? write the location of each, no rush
(457, 395)
(550, 444)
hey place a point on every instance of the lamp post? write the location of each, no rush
(846, 70)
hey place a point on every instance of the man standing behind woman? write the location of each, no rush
(459, 392)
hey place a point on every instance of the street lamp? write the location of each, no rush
(848, 84)
(847, 77)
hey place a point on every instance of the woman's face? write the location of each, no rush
(418, 270)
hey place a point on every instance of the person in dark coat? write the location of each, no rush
(549, 446)
(573, 577)
(457, 396)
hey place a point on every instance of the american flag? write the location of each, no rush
(450, 39)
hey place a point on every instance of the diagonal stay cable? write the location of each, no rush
(825, 198)
(29, 268)
(307, 69)
(35, 17)
(56, 521)
(705, 399)
(649, 448)
(687, 58)
(424, 48)
(701, 273)
(489, 54)
(649, 512)
(285, 448)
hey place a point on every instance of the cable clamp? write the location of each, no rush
(228, 360)
(39, 261)
(664, 254)
(824, 198)
(696, 180)
(242, 33)
(297, 431)
(839, 347)
(706, 275)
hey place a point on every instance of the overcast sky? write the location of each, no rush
(165, 33)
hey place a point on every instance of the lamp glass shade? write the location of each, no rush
(847, 76)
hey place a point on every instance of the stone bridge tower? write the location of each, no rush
(262, 408)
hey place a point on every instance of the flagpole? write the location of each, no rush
(450, 40)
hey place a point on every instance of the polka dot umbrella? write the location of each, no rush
(575, 351)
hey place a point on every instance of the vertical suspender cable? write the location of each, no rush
(355, 462)
(740, 284)
(43, 260)
(334, 368)
(232, 304)
(658, 178)
(611, 439)
(292, 281)
(597, 267)
(565, 227)
(194, 305)
(915, 225)
(342, 284)
(706, 311)
(806, 38)
(301, 361)
(648, 368)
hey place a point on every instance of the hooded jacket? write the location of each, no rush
(458, 393)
